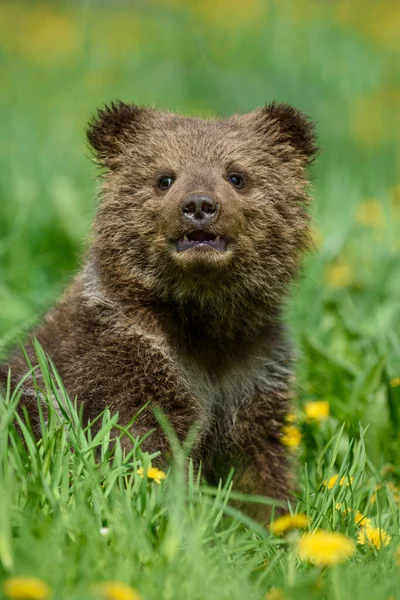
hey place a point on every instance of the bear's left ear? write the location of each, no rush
(112, 128)
(285, 124)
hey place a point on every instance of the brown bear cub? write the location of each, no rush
(200, 230)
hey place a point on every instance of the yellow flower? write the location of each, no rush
(395, 201)
(288, 523)
(275, 594)
(316, 411)
(291, 436)
(115, 590)
(152, 473)
(359, 519)
(395, 382)
(324, 548)
(374, 536)
(26, 588)
(46, 36)
(370, 213)
(244, 16)
(291, 418)
(339, 276)
(330, 483)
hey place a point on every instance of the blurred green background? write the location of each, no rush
(338, 61)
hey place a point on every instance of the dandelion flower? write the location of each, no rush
(339, 276)
(316, 411)
(289, 522)
(116, 590)
(359, 519)
(26, 588)
(374, 536)
(330, 483)
(324, 548)
(291, 418)
(291, 436)
(152, 473)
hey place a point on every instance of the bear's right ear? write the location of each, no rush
(111, 128)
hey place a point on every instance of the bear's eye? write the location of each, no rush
(237, 180)
(165, 181)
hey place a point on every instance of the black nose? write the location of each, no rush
(199, 209)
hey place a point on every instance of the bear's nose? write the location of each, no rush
(199, 209)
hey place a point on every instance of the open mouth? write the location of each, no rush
(201, 238)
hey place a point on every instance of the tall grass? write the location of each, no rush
(75, 512)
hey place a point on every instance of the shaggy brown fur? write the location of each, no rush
(197, 332)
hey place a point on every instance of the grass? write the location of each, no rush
(74, 512)
(181, 539)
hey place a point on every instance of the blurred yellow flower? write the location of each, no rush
(339, 275)
(330, 483)
(230, 15)
(379, 24)
(275, 594)
(374, 536)
(291, 436)
(42, 34)
(359, 519)
(301, 11)
(289, 522)
(152, 473)
(395, 200)
(116, 590)
(291, 418)
(370, 213)
(225, 15)
(26, 588)
(324, 548)
(316, 411)
(395, 382)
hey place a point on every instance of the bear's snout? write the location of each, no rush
(199, 210)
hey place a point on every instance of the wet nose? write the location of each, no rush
(199, 209)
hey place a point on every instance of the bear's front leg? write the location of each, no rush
(141, 379)
(249, 441)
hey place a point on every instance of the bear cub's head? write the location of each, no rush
(202, 210)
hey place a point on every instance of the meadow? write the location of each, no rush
(78, 519)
